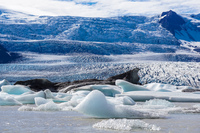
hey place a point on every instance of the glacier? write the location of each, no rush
(101, 36)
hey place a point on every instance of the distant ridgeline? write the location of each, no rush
(6, 57)
(104, 36)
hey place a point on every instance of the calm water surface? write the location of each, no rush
(14, 121)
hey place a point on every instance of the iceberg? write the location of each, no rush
(4, 82)
(96, 105)
(169, 96)
(39, 101)
(57, 97)
(7, 100)
(127, 86)
(29, 98)
(125, 125)
(42, 105)
(15, 89)
(160, 87)
(107, 90)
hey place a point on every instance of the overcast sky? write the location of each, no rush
(100, 8)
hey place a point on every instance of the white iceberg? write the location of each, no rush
(127, 86)
(96, 105)
(125, 125)
(15, 89)
(29, 98)
(7, 100)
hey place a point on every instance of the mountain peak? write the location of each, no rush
(171, 21)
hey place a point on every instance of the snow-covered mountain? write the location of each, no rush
(165, 33)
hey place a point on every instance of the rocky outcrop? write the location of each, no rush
(130, 76)
(6, 56)
(42, 84)
(38, 84)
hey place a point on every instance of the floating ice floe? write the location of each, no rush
(166, 87)
(15, 89)
(170, 96)
(160, 87)
(125, 125)
(96, 105)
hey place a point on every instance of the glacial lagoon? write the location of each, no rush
(57, 68)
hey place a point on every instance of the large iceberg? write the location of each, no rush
(96, 105)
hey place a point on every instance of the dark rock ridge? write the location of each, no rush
(43, 84)
(6, 56)
(38, 84)
(171, 21)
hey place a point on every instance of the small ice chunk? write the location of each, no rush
(128, 101)
(120, 100)
(49, 106)
(15, 89)
(125, 125)
(57, 97)
(42, 105)
(127, 86)
(4, 82)
(158, 104)
(26, 108)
